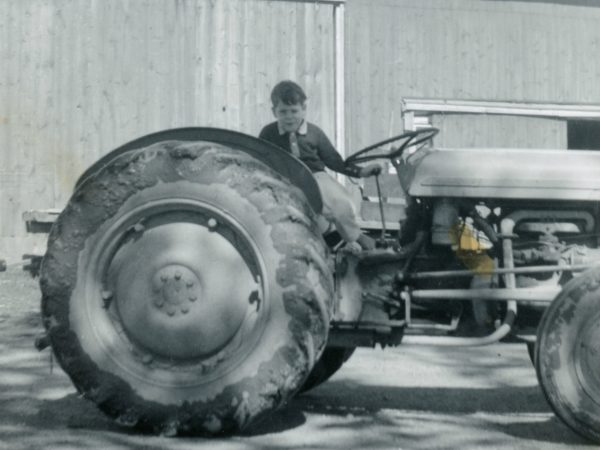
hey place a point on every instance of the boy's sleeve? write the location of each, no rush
(332, 159)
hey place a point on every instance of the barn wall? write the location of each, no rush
(526, 51)
(483, 130)
(79, 78)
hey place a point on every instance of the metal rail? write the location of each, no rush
(380, 201)
(504, 271)
(510, 293)
(540, 294)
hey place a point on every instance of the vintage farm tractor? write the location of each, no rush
(187, 287)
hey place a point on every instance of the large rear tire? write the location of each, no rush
(568, 354)
(186, 289)
(330, 362)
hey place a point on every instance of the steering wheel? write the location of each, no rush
(409, 139)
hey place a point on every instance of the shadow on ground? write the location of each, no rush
(370, 399)
(531, 415)
(374, 402)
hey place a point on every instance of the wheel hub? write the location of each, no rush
(181, 287)
(176, 288)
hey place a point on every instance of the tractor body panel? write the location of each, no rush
(503, 173)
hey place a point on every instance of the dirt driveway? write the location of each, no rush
(403, 398)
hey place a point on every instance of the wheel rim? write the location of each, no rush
(587, 357)
(156, 298)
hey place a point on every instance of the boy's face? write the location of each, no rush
(290, 117)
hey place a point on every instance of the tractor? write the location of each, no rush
(188, 288)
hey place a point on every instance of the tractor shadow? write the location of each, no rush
(529, 416)
(344, 405)
(288, 417)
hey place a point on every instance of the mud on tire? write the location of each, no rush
(186, 289)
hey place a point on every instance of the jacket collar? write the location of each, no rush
(302, 130)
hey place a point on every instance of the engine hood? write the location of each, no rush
(503, 173)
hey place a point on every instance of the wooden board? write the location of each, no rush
(534, 51)
(80, 78)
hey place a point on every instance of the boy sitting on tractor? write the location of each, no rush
(308, 142)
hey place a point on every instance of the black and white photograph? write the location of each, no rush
(290, 224)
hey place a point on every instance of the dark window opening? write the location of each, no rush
(583, 134)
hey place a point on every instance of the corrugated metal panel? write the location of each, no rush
(78, 78)
(464, 49)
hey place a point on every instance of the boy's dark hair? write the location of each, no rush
(287, 92)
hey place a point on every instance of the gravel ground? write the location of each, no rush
(410, 397)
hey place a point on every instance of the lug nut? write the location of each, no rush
(254, 298)
(212, 223)
(138, 228)
(193, 298)
(178, 275)
(184, 310)
(147, 359)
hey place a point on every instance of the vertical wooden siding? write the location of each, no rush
(80, 77)
(464, 49)
(482, 130)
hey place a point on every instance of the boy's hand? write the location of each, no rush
(370, 170)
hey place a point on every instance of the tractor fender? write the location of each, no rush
(277, 159)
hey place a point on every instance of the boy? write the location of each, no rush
(309, 143)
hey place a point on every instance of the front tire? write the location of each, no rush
(568, 354)
(186, 289)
